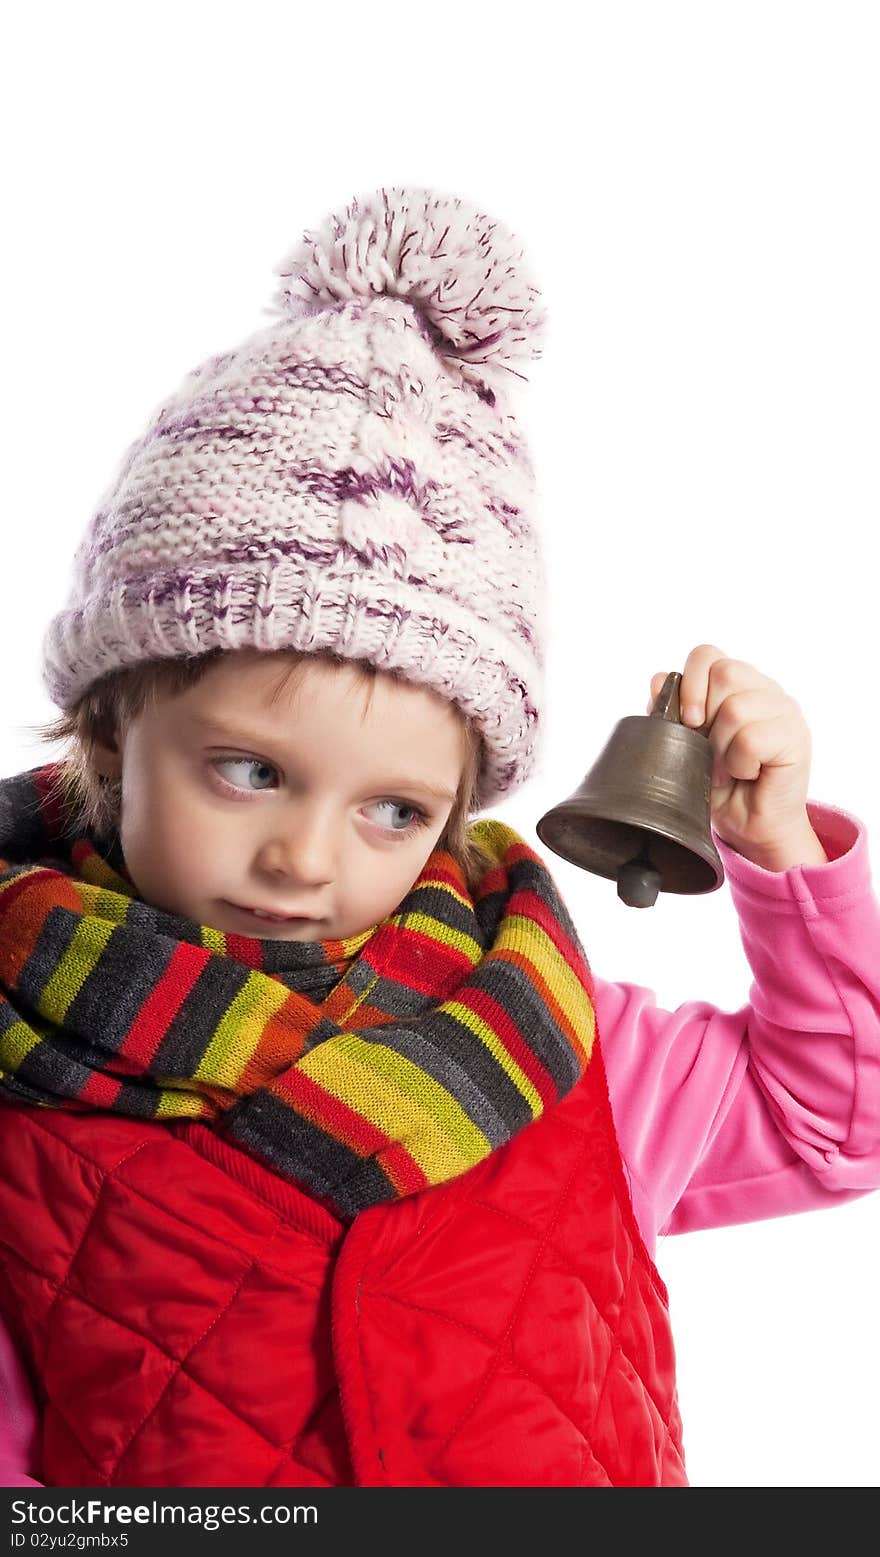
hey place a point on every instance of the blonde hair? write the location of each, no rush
(106, 710)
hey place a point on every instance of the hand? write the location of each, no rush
(761, 748)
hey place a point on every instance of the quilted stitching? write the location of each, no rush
(147, 1328)
(615, 1290)
(195, 1371)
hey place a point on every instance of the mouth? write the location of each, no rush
(266, 917)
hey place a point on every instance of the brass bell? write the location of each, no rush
(641, 816)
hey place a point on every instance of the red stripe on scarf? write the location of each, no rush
(244, 948)
(352, 1129)
(402, 1170)
(534, 908)
(24, 903)
(545, 991)
(162, 1004)
(483, 1006)
(427, 965)
(100, 1091)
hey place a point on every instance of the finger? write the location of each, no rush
(657, 684)
(694, 690)
(712, 677)
(751, 731)
(657, 681)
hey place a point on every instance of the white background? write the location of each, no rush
(696, 187)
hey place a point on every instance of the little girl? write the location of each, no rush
(326, 1160)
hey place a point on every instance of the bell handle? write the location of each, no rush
(667, 703)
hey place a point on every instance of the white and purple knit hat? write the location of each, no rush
(350, 478)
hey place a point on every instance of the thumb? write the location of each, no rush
(657, 681)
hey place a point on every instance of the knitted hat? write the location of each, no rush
(351, 478)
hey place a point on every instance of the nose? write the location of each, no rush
(304, 849)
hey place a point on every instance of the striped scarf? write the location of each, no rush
(364, 1069)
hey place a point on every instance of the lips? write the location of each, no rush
(264, 913)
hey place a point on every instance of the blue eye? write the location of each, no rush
(419, 819)
(242, 762)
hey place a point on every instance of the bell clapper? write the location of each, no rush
(638, 881)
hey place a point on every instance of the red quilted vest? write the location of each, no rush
(191, 1319)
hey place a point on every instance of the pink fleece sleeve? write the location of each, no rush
(18, 1418)
(732, 1116)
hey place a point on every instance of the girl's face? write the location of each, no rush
(312, 805)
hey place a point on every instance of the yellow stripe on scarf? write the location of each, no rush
(79, 958)
(445, 935)
(490, 1040)
(238, 1033)
(16, 1044)
(400, 1099)
(532, 941)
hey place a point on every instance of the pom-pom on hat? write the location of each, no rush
(350, 478)
(461, 272)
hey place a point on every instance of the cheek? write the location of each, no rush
(167, 822)
(401, 873)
